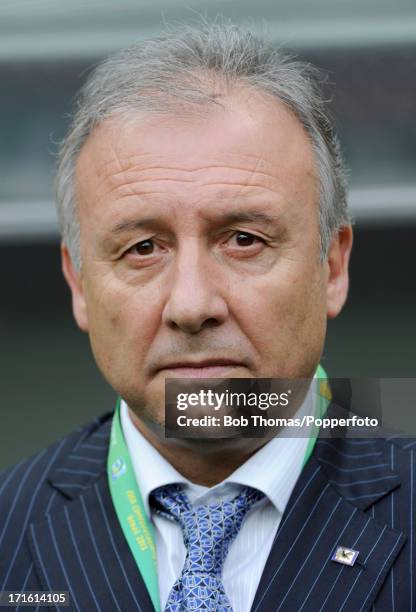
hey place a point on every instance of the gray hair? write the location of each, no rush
(177, 72)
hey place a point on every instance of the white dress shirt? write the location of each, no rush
(274, 470)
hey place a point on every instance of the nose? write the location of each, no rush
(195, 300)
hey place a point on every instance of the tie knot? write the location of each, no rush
(208, 530)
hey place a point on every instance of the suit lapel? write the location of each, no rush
(342, 479)
(81, 546)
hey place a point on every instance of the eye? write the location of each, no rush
(245, 239)
(145, 247)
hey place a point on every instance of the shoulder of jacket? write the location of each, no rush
(29, 473)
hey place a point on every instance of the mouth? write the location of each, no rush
(210, 368)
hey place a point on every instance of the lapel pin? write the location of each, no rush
(344, 555)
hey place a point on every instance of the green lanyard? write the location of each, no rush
(323, 399)
(128, 501)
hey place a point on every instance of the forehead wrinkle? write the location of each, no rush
(127, 160)
(123, 186)
(126, 163)
(141, 186)
(128, 179)
(153, 170)
(129, 168)
(136, 189)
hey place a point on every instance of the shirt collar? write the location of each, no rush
(273, 469)
(151, 469)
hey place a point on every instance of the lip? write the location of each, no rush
(208, 368)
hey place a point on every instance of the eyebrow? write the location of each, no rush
(227, 218)
(249, 216)
(134, 224)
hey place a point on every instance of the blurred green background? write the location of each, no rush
(49, 382)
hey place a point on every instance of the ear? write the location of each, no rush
(74, 280)
(337, 262)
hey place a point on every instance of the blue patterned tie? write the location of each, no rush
(208, 532)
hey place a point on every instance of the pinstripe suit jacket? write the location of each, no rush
(59, 531)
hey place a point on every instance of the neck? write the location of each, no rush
(203, 462)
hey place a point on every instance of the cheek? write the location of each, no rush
(285, 319)
(283, 298)
(123, 323)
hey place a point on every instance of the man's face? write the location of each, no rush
(200, 250)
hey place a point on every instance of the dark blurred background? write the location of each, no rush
(49, 382)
